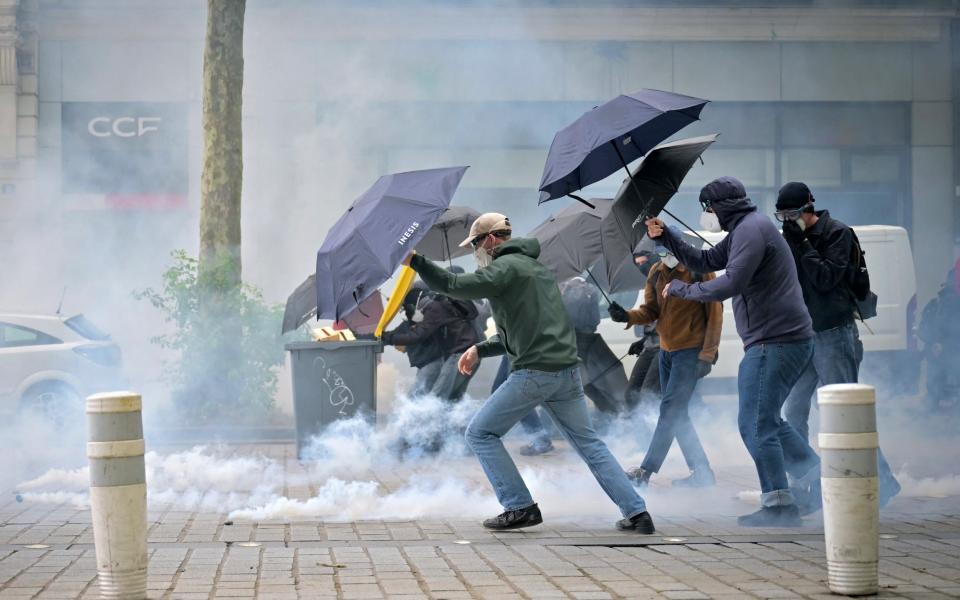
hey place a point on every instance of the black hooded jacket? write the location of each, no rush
(449, 319)
(823, 265)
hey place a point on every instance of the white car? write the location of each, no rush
(888, 339)
(51, 363)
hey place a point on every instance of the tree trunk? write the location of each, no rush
(222, 179)
(219, 319)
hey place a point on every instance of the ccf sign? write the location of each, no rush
(124, 148)
(125, 127)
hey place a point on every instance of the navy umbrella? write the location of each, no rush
(611, 136)
(380, 228)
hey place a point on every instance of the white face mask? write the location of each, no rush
(710, 222)
(801, 223)
(482, 257)
(670, 261)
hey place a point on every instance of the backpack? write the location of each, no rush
(858, 281)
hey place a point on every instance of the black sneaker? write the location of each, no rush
(772, 516)
(639, 476)
(699, 478)
(642, 523)
(515, 519)
(537, 447)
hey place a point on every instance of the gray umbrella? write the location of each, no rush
(569, 241)
(301, 305)
(442, 242)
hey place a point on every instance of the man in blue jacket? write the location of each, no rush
(774, 324)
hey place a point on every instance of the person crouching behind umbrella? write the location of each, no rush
(533, 329)
(689, 338)
(421, 343)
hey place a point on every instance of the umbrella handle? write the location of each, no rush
(599, 287)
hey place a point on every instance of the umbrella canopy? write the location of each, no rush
(380, 228)
(611, 136)
(575, 240)
(301, 305)
(655, 181)
(569, 241)
(442, 241)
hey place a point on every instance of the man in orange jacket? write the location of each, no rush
(689, 337)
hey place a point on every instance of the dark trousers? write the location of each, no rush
(644, 384)
(678, 377)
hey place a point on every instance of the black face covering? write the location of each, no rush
(652, 259)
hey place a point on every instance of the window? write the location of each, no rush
(14, 336)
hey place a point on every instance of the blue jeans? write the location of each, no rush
(531, 422)
(837, 354)
(767, 374)
(561, 394)
(678, 377)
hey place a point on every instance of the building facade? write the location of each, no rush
(100, 131)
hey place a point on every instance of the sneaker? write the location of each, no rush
(537, 447)
(772, 516)
(639, 476)
(699, 478)
(642, 523)
(515, 519)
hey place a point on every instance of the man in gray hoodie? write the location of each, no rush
(774, 324)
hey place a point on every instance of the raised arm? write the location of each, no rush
(746, 250)
(828, 269)
(488, 282)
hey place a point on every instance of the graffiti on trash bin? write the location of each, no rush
(341, 396)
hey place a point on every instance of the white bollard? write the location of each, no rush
(118, 493)
(851, 510)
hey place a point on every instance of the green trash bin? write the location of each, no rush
(331, 381)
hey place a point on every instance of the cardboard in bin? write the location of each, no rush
(329, 334)
(332, 380)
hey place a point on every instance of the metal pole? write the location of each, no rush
(118, 493)
(851, 511)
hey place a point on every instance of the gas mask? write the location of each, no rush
(415, 313)
(670, 261)
(482, 257)
(710, 222)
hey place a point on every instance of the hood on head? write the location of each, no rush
(527, 246)
(728, 199)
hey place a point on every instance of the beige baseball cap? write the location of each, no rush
(487, 223)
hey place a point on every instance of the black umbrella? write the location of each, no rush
(453, 224)
(301, 305)
(612, 135)
(380, 228)
(651, 185)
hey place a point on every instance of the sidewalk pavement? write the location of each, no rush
(46, 551)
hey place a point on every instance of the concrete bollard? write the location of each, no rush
(851, 510)
(118, 493)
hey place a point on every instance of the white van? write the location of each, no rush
(885, 337)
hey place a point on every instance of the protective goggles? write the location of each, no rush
(792, 214)
(475, 242)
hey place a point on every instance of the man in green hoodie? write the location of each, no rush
(534, 331)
